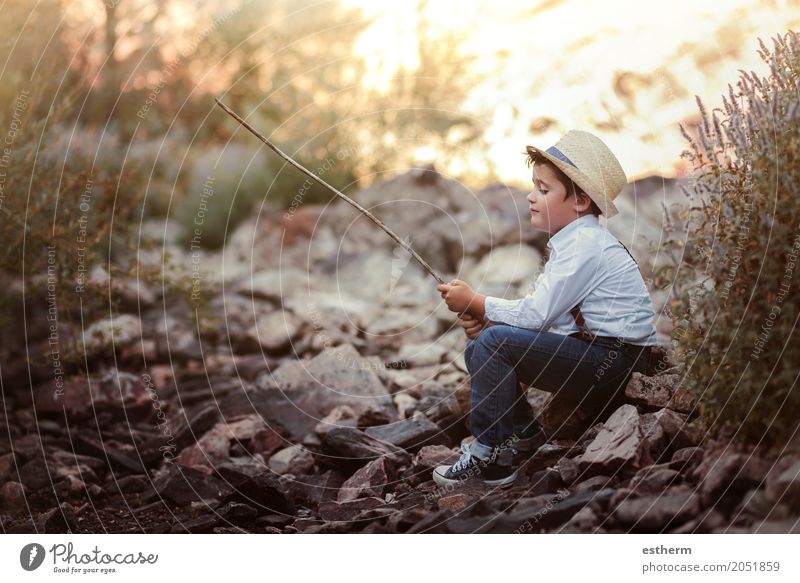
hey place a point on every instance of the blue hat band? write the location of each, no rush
(553, 151)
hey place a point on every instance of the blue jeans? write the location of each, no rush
(504, 356)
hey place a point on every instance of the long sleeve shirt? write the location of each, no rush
(587, 266)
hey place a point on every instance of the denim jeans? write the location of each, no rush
(504, 356)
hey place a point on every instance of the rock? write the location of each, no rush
(730, 476)
(430, 456)
(454, 502)
(267, 441)
(275, 331)
(273, 286)
(371, 480)
(584, 521)
(422, 354)
(787, 485)
(405, 403)
(410, 434)
(655, 514)
(506, 265)
(112, 334)
(620, 443)
(12, 497)
(182, 485)
(313, 490)
(659, 392)
(351, 447)
(593, 484)
(214, 447)
(340, 416)
(569, 470)
(687, 458)
(654, 480)
(300, 393)
(257, 486)
(708, 521)
(679, 430)
(395, 327)
(123, 395)
(295, 459)
(348, 510)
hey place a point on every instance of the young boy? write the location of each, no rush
(590, 292)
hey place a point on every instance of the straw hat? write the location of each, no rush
(590, 164)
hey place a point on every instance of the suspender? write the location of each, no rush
(576, 311)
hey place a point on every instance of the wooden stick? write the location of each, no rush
(360, 208)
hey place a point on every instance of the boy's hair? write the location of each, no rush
(534, 157)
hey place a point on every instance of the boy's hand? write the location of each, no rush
(472, 326)
(461, 298)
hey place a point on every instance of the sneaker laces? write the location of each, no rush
(464, 460)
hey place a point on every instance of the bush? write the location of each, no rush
(736, 307)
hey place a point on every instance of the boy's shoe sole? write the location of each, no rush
(438, 477)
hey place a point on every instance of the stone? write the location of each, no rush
(294, 459)
(654, 480)
(300, 393)
(256, 485)
(687, 458)
(371, 480)
(420, 354)
(787, 485)
(351, 447)
(454, 502)
(430, 456)
(340, 416)
(655, 514)
(112, 334)
(730, 476)
(182, 485)
(658, 392)
(348, 510)
(405, 403)
(410, 434)
(680, 432)
(620, 443)
(267, 441)
(123, 395)
(12, 497)
(505, 265)
(274, 332)
(273, 286)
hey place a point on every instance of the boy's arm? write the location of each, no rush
(568, 277)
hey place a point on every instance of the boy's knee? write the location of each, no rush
(492, 336)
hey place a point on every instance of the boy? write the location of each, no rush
(590, 292)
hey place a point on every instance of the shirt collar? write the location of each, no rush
(589, 220)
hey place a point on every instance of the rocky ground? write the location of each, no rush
(324, 382)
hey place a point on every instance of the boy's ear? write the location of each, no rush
(583, 202)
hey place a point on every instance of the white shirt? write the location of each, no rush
(587, 265)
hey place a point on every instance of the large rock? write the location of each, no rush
(658, 392)
(410, 434)
(274, 332)
(657, 513)
(112, 334)
(508, 265)
(301, 393)
(725, 479)
(294, 459)
(371, 480)
(619, 443)
(213, 448)
(351, 447)
(122, 394)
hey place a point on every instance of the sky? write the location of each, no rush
(626, 70)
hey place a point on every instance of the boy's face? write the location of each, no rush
(548, 209)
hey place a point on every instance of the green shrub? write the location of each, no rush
(735, 303)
